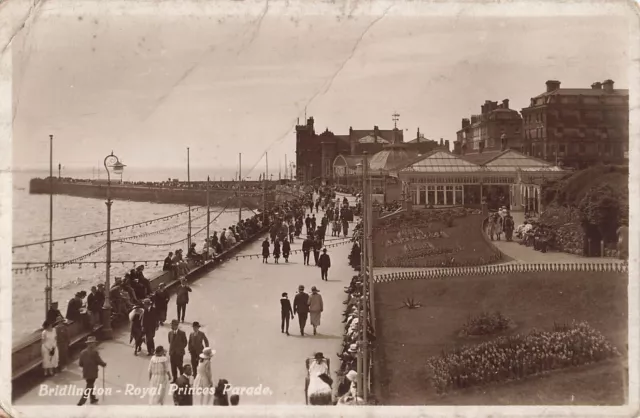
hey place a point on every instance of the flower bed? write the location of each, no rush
(485, 324)
(519, 356)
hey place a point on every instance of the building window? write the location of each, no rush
(561, 148)
(458, 195)
(423, 196)
(439, 195)
(431, 194)
(449, 195)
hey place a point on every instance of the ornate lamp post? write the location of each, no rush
(110, 161)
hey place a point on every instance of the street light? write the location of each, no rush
(110, 161)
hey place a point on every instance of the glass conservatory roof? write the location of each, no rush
(442, 162)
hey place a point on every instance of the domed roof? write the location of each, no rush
(392, 157)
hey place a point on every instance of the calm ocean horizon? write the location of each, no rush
(77, 215)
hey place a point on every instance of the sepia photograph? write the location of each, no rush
(186, 185)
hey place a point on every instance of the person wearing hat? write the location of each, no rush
(146, 284)
(315, 308)
(182, 298)
(286, 249)
(89, 361)
(49, 349)
(285, 312)
(203, 388)
(345, 385)
(324, 262)
(177, 345)
(137, 334)
(53, 314)
(159, 376)
(301, 307)
(508, 225)
(319, 383)
(197, 342)
(149, 325)
(73, 308)
(182, 394)
(161, 302)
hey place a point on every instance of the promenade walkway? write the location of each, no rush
(238, 305)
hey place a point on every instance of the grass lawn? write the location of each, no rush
(463, 241)
(406, 338)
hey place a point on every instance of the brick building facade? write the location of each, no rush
(496, 127)
(578, 127)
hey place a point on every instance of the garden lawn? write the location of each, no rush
(406, 338)
(464, 244)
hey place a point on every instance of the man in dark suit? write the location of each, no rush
(177, 344)
(182, 298)
(89, 362)
(306, 250)
(324, 262)
(167, 262)
(182, 395)
(301, 307)
(149, 325)
(197, 342)
(161, 301)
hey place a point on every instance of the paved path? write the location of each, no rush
(523, 254)
(238, 305)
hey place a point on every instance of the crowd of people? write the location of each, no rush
(175, 184)
(500, 222)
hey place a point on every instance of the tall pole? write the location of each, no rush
(208, 222)
(365, 284)
(286, 168)
(59, 170)
(48, 290)
(264, 192)
(106, 308)
(370, 283)
(239, 185)
(189, 187)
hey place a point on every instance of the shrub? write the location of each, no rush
(485, 324)
(516, 357)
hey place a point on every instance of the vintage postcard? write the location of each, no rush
(319, 208)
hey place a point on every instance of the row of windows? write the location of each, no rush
(462, 180)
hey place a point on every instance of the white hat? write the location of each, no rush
(353, 348)
(351, 375)
(208, 352)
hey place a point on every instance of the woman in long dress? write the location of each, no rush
(319, 389)
(203, 388)
(49, 349)
(159, 377)
(276, 250)
(315, 308)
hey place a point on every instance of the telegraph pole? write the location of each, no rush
(239, 185)
(208, 222)
(189, 187)
(49, 287)
(365, 285)
(264, 192)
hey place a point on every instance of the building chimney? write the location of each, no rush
(474, 119)
(310, 122)
(597, 85)
(466, 123)
(447, 145)
(394, 137)
(352, 141)
(505, 104)
(552, 85)
(418, 134)
(608, 86)
(441, 142)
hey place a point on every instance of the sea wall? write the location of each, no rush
(252, 198)
(26, 356)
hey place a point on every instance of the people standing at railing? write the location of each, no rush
(49, 348)
(223, 239)
(146, 284)
(94, 305)
(73, 307)
(168, 262)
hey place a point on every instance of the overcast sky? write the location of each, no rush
(148, 86)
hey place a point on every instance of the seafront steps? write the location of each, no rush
(26, 355)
